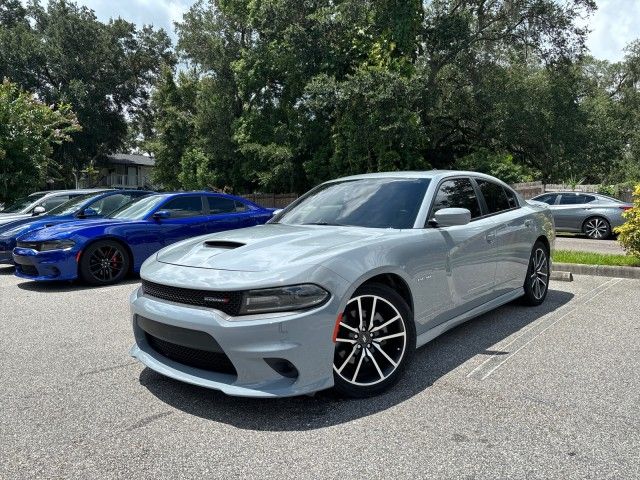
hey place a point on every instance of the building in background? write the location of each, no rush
(124, 170)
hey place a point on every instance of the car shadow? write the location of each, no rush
(68, 286)
(325, 408)
(7, 270)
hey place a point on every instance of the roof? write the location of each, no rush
(81, 191)
(432, 174)
(131, 159)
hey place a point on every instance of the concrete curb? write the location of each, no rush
(561, 276)
(598, 270)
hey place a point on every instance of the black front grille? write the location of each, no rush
(227, 302)
(27, 270)
(192, 357)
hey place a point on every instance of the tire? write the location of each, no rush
(366, 364)
(597, 228)
(104, 263)
(536, 284)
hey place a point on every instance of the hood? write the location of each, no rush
(10, 217)
(67, 229)
(267, 247)
(20, 227)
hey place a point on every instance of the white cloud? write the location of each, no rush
(159, 13)
(613, 26)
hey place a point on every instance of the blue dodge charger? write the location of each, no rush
(83, 207)
(103, 252)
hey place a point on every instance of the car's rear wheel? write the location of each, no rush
(104, 263)
(536, 285)
(375, 340)
(597, 228)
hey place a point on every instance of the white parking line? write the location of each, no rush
(528, 335)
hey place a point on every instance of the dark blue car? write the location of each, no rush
(88, 206)
(102, 252)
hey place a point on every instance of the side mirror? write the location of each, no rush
(449, 217)
(276, 212)
(39, 210)
(89, 212)
(161, 214)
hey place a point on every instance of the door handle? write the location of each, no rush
(490, 237)
(528, 223)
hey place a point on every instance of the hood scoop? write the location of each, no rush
(227, 245)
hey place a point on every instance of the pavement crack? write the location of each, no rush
(105, 369)
(147, 420)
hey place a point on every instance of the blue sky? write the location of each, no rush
(615, 24)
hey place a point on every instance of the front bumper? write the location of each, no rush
(43, 266)
(304, 339)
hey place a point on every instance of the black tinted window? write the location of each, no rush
(511, 198)
(548, 198)
(458, 193)
(367, 202)
(241, 207)
(221, 205)
(575, 199)
(181, 207)
(494, 196)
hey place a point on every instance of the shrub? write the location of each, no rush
(629, 233)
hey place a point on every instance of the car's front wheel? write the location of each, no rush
(536, 284)
(104, 263)
(375, 340)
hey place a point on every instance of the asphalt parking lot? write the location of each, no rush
(546, 392)
(584, 244)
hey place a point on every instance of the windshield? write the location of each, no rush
(369, 202)
(72, 206)
(139, 208)
(19, 205)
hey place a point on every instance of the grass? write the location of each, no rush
(589, 258)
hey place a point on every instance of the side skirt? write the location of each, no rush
(438, 330)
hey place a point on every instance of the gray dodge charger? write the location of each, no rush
(341, 287)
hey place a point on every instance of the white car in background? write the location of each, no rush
(38, 203)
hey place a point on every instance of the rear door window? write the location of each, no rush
(457, 193)
(575, 199)
(494, 196)
(549, 198)
(184, 206)
(218, 205)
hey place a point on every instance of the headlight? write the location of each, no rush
(48, 245)
(282, 299)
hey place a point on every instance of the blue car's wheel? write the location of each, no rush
(375, 340)
(104, 263)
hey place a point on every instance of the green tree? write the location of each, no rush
(105, 71)
(29, 129)
(174, 109)
(292, 93)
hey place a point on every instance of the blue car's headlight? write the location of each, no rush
(282, 299)
(47, 245)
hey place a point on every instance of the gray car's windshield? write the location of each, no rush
(367, 202)
(67, 208)
(22, 203)
(139, 208)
